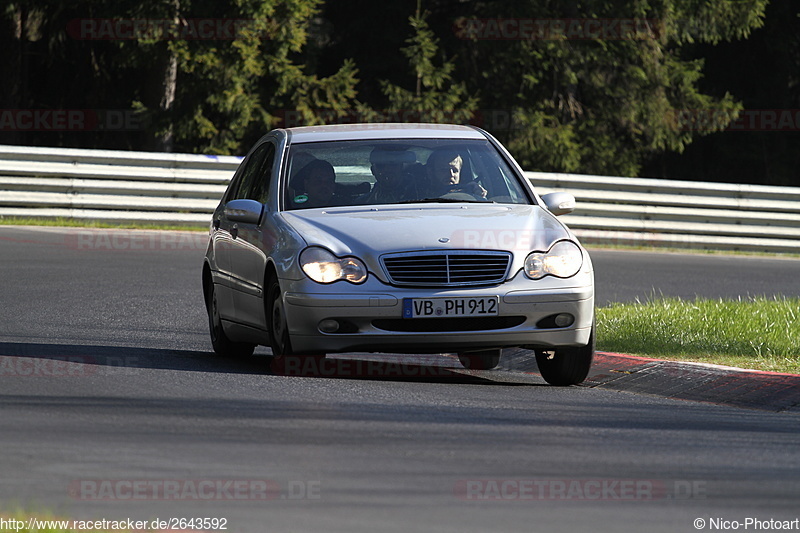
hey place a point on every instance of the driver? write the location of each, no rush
(393, 182)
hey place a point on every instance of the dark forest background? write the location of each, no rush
(702, 90)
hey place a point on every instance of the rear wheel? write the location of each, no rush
(566, 366)
(219, 341)
(484, 360)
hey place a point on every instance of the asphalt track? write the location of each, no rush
(113, 407)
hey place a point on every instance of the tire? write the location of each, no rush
(279, 340)
(219, 341)
(566, 366)
(485, 360)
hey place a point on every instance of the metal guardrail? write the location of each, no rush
(142, 187)
(680, 214)
(112, 186)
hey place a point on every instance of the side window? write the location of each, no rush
(261, 188)
(256, 176)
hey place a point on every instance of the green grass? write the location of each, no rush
(78, 223)
(757, 333)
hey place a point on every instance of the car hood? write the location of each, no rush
(368, 232)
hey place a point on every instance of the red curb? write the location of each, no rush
(694, 363)
(771, 391)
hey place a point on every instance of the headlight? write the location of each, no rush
(324, 267)
(564, 260)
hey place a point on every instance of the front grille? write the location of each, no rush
(445, 268)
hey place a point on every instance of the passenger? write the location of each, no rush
(315, 185)
(443, 171)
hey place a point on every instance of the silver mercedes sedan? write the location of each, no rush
(404, 238)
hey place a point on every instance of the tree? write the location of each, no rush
(231, 92)
(50, 69)
(202, 76)
(435, 98)
(763, 145)
(596, 86)
(599, 101)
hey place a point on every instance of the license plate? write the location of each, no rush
(449, 307)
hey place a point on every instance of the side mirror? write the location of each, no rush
(244, 211)
(559, 203)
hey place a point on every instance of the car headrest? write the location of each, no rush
(387, 156)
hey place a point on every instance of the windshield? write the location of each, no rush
(345, 173)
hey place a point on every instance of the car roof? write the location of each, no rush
(347, 132)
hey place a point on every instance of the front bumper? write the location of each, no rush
(371, 316)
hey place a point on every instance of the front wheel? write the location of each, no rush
(566, 366)
(219, 341)
(279, 339)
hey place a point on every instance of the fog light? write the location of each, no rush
(563, 320)
(329, 326)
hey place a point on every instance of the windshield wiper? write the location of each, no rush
(444, 201)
